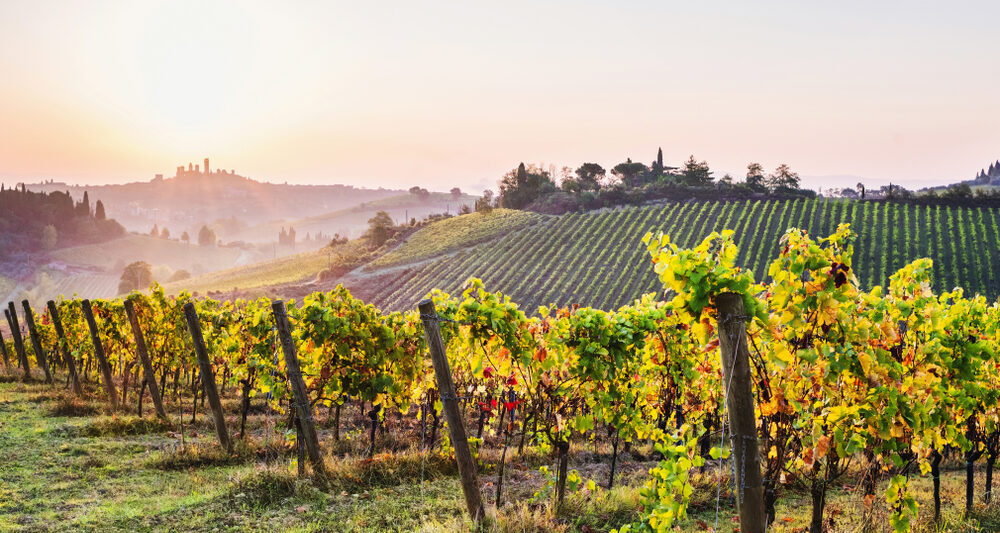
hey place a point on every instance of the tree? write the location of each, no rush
(589, 176)
(696, 173)
(484, 204)
(206, 237)
(656, 169)
(456, 193)
(164, 233)
(630, 173)
(861, 190)
(83, 208)
(136, 277)
(755, 177)
(99, 213)
(49, 237)
(185, 237)
(379, 228)
(420, 192)
(521, 186)
(783, 179)
(155, 232)
(180, 275)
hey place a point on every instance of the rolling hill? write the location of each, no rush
(597, 258)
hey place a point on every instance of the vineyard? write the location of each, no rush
(856, 393)
(595, 259)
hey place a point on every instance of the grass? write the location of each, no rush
(153, 250)
(258, 277)
(455, 233)
(121, 473)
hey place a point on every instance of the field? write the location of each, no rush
(456, 233)
(175, 254)
(578, 419)
(597, 259)
(71, 466)
(258, 277)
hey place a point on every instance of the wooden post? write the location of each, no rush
(207, 375)
(36, 341)
(147, 365)
(303, 408)
(15, 333)
(102, 359)
(64, 346)
(3, 350)
(740, 407)
(456, 427)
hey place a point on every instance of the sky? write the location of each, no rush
(443, 94)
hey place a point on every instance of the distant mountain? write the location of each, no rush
(193, 197)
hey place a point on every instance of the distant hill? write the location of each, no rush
(353, 221)
(191, 198)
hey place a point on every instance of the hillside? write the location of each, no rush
(253, 279)
(155, 251)
(455, 233)
(597, 258)
(191, 198)
(353, 221)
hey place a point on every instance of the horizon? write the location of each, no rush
(377, 96)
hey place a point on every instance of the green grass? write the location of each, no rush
(456, 233)
(99, 472)
(597, 259)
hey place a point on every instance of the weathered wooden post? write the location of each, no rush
(36, 341)
(456, 427)
(740, 407)
(207, 375)
(64, 346)
(102, 358)
(15, 333)
(303, 408)
(147, 365)
(3, 350)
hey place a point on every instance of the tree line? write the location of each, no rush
(36, 221)
(591, 185)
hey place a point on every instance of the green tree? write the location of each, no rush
(49, 237)
(657, 167)
(696, 173)
(99, 213)
(155, 232)
(185, 237)
(484, 204)
(456, 192)
(589, 176)
(521, 186)
(379, 228)
(755, 179)
(165, 233)
(632, 174)
(783, 179)
(136, 277)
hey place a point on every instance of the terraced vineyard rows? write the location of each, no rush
(596, 259)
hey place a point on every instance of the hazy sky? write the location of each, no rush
(455, 93)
